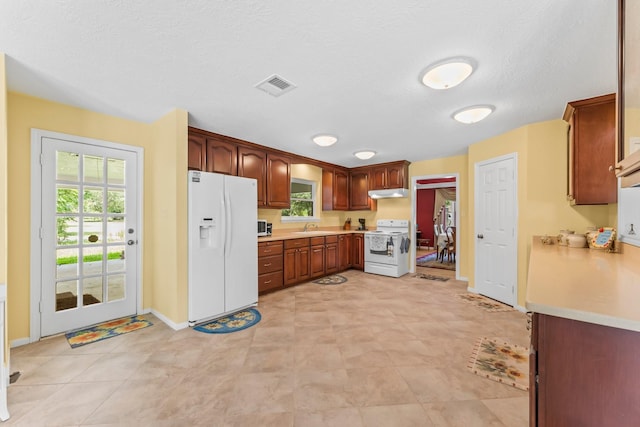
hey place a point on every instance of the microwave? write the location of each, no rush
(264, 228)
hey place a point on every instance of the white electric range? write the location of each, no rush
(386, 249)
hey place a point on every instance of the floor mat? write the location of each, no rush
(501, 361)
(334, 279)
(106, 330)
(432, 277)
(232, 323)
(485, 303)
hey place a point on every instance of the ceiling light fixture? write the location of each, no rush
(325, 140)
(365, 154)
(447, 73)
(473, 114)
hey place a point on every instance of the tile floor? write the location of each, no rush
(374, 351)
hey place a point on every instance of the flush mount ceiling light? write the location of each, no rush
(448, 73)
(473, 114)
(365, 154)
(325, 140)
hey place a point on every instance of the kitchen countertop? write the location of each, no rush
(585, 284)
(299, 234)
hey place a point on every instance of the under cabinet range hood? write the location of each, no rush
(389, 193)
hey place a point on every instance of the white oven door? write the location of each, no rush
(381, 248)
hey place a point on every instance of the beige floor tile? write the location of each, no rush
(469, 413)
(372, 351)
(410, 415)
(378, 386)
(333, 417)
(513, 412)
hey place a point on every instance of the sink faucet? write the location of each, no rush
(309, 225)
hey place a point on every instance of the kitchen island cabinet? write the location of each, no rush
(585, 341)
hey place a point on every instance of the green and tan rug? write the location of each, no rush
(485, 303)
(105, 330)
(501, 361)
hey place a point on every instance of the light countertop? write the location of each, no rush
(299, 234)
(585, 284)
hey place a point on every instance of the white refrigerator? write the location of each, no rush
(223, 245)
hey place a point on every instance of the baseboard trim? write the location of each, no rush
(169, 322)
(20, 342)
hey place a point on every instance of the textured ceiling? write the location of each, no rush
(356, 65)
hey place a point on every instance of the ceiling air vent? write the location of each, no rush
(275, 85)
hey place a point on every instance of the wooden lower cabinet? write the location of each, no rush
(587, 374)
(331, 255)
(344, 251)
(317, 257)
(357, 251)
(297, 261)
(270, 265)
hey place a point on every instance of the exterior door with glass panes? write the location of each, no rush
(89, 235)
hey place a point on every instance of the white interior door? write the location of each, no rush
(88, 231)
(496, 234)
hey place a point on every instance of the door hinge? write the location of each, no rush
(41, 159)
(41, 233)
(40, 306)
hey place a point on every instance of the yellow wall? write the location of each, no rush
(449, 166)
(542, 189)
(166, 202)
(3, 171)
(3, 192)
(165, 153)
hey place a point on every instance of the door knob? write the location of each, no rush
(130, 242)
(480, 236)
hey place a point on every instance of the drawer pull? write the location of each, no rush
(266, 265)
(267, 250)
(267, 282)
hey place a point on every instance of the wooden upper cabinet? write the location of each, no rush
(278, 181)
(389, 175)
(222, 156)
(359, 199)
(253, 164)
(592, 150)
(197, 152)
(335, 190)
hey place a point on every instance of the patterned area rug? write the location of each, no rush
(106, 330)
(431, 261)
(500, 361)
(485, 303)
(431, 277)
(234, 322)
(334, 279)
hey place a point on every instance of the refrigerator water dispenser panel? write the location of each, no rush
(207, 228)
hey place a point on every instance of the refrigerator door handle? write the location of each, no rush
(227, 220)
